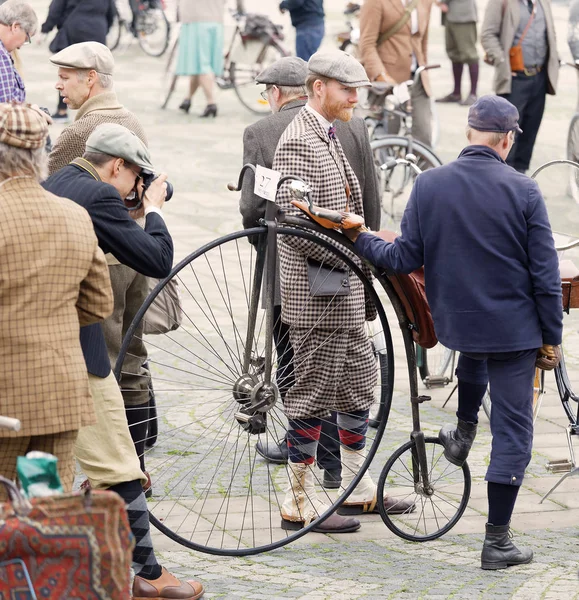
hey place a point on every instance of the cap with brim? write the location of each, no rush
(118, 141)
(289, 71)
(86, 55)
(494, 114)
(338, 65)
(22, 126)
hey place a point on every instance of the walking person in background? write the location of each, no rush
(201, 49)
(308, 18)
(393, 44)
(518, 37)
(18, 24)
(459, 18)
(77, 21)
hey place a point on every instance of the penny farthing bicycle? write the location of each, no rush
(217, 386)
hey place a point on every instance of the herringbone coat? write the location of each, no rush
(306, 151)
(54, 278)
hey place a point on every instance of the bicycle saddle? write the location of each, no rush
(330, 219)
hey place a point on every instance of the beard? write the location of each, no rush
(338, 110)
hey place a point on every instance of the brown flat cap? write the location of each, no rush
(22, 126)
(86, 55)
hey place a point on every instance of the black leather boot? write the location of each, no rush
(499, 552)
(457, 441)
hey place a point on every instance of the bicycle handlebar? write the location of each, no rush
(575, 64)
(9, 423)
(409, 160)
(237, 188)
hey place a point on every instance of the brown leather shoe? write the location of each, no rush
(166, 586)
(333, 524)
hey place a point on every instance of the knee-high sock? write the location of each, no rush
(144, 562)
(457, 74)
(473, 70)
(352, 429)
(502, 500)
(302, 439)
(470, 397)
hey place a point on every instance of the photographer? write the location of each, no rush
(112, 167)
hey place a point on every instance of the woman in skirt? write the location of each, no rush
(201, 49)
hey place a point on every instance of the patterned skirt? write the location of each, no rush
(200, 49)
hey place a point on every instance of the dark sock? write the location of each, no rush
(144, 562)
(470, 397)
(138, 419)
(457, 74)
(473, 71)
(502, 500)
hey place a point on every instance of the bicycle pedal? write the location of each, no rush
(436, 381)
(559, 466)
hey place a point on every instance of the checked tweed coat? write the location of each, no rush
(54, 278)
(333, 360)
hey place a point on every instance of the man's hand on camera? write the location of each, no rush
(156, 193)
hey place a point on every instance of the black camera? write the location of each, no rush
(148, 179)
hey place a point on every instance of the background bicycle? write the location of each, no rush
(148, 24)
(256, 43)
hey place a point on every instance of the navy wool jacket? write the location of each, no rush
(482, 233)
(148, 251)
(304, 12)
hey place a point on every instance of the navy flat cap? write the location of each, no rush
(493, 113)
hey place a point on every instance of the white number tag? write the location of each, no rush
(266, 181)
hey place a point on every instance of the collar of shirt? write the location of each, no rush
(322, 120)
(482, 151)
(4, 51)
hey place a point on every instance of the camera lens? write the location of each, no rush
(169, 191)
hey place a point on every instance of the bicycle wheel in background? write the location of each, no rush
(211, 490)
(435, 365)
(438, 508)
(396, 184)
(153, 29)
(538, 393)
(169, 78)
(246, 66)
(114, 34)
(573, 154)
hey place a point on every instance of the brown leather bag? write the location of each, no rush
(411, 291)
(569, 284)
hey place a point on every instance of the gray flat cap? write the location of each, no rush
(86, 55)
(116, 140)
(340, 66)
(290, 70)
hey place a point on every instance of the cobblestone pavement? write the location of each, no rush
(200, 158)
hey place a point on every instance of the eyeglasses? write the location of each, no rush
(264, 94)
(135, 173)
(28, 40)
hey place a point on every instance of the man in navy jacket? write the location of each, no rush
(492, 280)
(308, 19)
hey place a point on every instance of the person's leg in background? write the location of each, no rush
(308, 40)
(457, 64)
(107, 457)
(467, 36)
(421, 114)
(528, 95)
(511, 378)
(193, 86)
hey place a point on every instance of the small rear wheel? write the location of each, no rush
(439, 506)
(153, 30)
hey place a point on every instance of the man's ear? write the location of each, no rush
(91, 78)
(118, 164)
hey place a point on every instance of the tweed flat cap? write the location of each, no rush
(289, 70)
(22, 126)
(340, 66)
(86, 55)
(118, 141)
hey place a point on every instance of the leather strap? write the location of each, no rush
(529, 23)
(86, 166)
(399, 24)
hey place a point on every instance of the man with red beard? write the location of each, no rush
(334, 364)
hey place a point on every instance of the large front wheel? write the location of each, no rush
(212, 491)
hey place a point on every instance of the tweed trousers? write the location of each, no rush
(334, 369)
(59, 444)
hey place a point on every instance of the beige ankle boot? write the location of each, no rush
(301, 504)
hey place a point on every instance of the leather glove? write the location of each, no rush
(548, 357)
